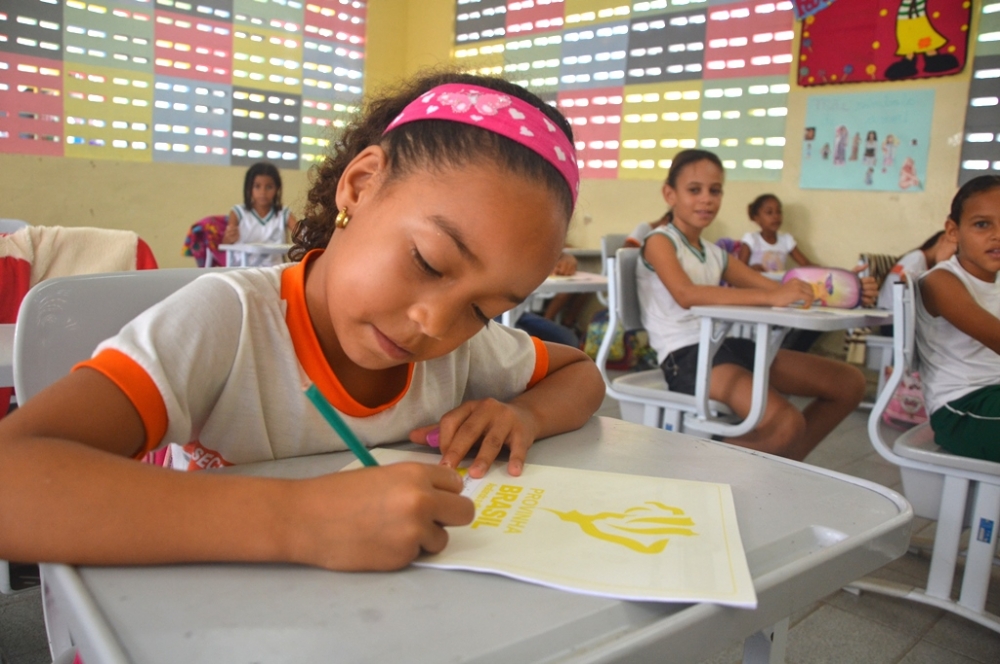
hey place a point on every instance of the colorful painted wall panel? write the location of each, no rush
(749, 39)
(596, 118)
(203, 81)
(634, 78)
(31, 104)
(981, 139)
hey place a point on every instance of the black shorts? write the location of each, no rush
(681, 366)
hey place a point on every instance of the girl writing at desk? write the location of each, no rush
(387, 312)
(680, 270)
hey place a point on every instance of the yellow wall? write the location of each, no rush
(832, 227)
(160, 201)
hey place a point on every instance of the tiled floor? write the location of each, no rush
(839, 629)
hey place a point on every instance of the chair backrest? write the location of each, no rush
(626, 293)
(62, 320)
(12, 225)
(904, 320)
(611, 243)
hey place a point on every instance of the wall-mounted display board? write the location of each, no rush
(872, 141)
(642, 80)
(225, 82)
(861, 41)
(981, 145)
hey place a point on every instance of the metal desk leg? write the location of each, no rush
(768, 645)
(713, 333)
(768, 343)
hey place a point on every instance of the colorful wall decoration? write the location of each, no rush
(225, 82)
(876, 141)
(858, 41)
(642, 80)
(981, 144)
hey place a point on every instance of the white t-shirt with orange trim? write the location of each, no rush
(219, 368)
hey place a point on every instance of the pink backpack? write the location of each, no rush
(906, 408)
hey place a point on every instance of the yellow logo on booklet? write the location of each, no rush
(642, 529)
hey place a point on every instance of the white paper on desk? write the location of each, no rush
(837, 311)
(627, 537)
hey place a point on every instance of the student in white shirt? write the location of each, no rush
(768, 249)
(958, 327)
(679, 269)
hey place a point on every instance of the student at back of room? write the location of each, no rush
(261, 218)
(768, 249)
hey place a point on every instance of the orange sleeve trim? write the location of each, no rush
(138, 387)
(310, 353)
(541, 362)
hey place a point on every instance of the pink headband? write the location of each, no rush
(502, 114)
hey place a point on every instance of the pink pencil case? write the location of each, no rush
(832, 286)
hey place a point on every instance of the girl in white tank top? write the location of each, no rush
(958, 329)
(679, 270)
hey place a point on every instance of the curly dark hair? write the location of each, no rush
(758, 203)
(429, 144)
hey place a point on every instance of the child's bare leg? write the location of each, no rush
(837, 386)
(782, 425)
(557, 302)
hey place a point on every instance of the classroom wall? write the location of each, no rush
(160, 201)
(831, 226)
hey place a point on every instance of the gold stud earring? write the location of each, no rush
(342, 218)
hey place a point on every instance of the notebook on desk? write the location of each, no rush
(627, 537)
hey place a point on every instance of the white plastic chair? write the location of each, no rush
(956, 491)
(12, 225)
(60, 323)
(610, 243)
(644, 396)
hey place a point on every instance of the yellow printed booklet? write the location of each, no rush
(627, 537)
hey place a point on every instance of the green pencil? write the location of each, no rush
(338, 424)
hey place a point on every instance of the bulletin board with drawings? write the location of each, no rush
(225, 82)
(642, 80)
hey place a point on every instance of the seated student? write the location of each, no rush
(958, 327)
(936, 249)
(767, 250)
(679, 269)
(261, 218)
(388, 313)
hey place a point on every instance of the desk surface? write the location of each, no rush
(256, 247)
(819, 319)
(581, 282)
(807, 532)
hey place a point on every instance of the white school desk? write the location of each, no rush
(580, 282)
(807, 532)
(771, 325)
(236, 254)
